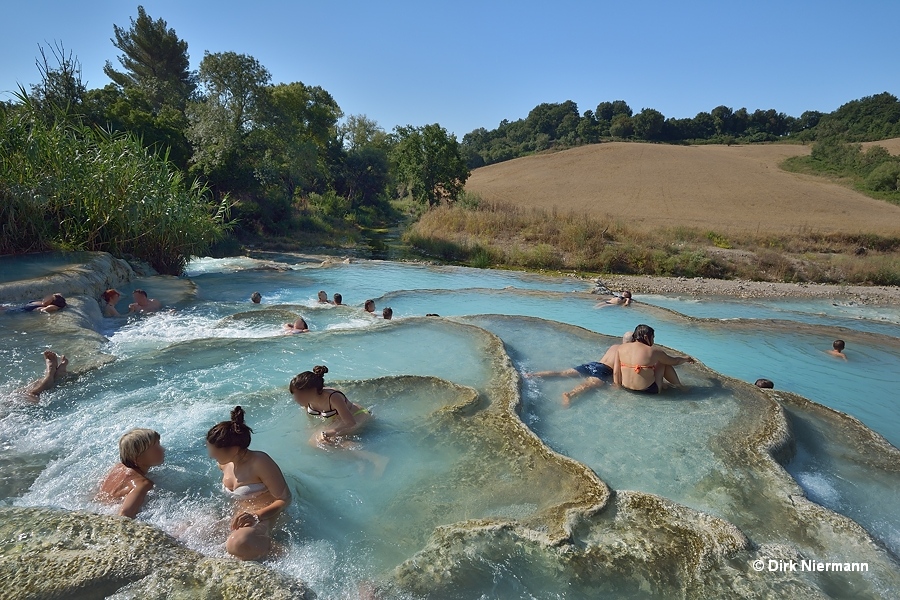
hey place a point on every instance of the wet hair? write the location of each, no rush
(141, 292)
(626, 294)
(387, 313)
(58, 300)
(322, 293)
(838, 345)
(108, 294)
(644, 334)
(230, 434)
(367, 303)
(256, 297)
(133, 444)
(765, 384)
(338, 298)
(303, 324)
(307, 380)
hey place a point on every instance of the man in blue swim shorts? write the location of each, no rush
(597, 373)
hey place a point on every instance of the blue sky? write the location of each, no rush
(470, 64)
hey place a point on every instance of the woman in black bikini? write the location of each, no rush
(639, 366)
(309, 391)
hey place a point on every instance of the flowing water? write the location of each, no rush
(460, 444)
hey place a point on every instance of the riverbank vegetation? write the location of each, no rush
(282, 158)
(485, 234)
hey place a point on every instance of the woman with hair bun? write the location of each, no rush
(254, 480)
(309, 391)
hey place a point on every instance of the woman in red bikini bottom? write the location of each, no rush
(640, 367)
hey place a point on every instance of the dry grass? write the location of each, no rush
(892, 145)
(501, 234)
(727, 189)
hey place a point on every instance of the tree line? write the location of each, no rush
(560, 125)
(283, 155)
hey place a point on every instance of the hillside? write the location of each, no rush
(715, 187)
(892, 145)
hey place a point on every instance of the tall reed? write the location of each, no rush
(67, 186)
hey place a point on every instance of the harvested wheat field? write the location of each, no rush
(892, 145)
(719, 188)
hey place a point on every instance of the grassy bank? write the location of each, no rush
(489, 235)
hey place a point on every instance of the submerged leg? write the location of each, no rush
(671, 376)
(592, 382)
(46, 382)
(566, 373)
(250, 543)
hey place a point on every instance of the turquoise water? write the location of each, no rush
(180, 372)
(30, 266)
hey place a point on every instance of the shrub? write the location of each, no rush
(884, 178)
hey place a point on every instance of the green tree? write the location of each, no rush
(648, 124)
(154, 60)
(621, 126)
(233, 99)
(359, 131)
(429, 163)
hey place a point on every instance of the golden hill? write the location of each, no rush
(719, 188)
(892, 145)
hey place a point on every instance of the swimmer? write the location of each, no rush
(139, 449)
(254, 481)
(298, 326)
(639, 366)
(54, 373)
(338, 299)
(387, 314)
(48, 304)
(309, 391)
(323, 298)
(255, 297)
(837, 349)
(623, 300)
(596, 372)
(765, 384)
(369, 307)
(143, 304)
(110, 297)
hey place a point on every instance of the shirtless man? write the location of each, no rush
(623, 300)
(837, 349)
(595, 372)
(143, 304)
(640, 367)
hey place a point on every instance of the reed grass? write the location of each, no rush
(66, 186)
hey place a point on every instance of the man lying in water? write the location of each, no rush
(48, 304)
(623, 300)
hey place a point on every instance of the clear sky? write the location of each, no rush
(468, 64)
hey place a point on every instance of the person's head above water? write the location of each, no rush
(369, 306)
(338, 298)
(54, 300)
(388, 313)
(139, 295)
(644, 334)
(230, 434)
(256, 297)
(627, 337)
(765, 384)
(323, 297)
(309, 380)
(140, 448)
(626, 294)
(838, 345)
(110, 295)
